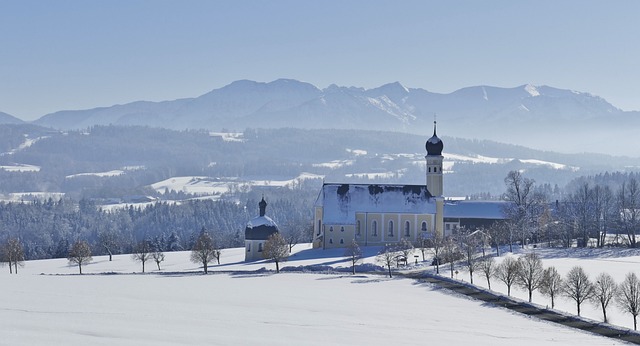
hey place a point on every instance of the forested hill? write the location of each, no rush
(35, 159)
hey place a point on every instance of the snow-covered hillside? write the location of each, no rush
(47, 303)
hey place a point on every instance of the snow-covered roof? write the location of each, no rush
(261, 221)
(342, 201)
(260, 228)
(493, 210)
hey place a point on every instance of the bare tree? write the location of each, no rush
(142, 252)
(436, 243)
(530, 273)
(520, 194)
(110, 241)
(629, 209)
(629, 297)
(276, 249)
(292, 234)
(604, 290)
(158, 257)
(387, 257)
(450, 253)
(12, 253)
(423, 244)
(203, 250)
(507, 272)
(487, 265)
(469, 244)
(80, 253)
(551, 285)
(354, 254)
(577, 286)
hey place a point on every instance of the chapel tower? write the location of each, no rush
(434, 159)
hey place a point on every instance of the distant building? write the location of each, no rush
(257, 232)
(377, 214)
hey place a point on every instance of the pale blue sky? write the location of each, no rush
(57, 55)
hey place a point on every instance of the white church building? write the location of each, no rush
(377, 214)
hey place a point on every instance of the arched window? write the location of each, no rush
(342, 229)
(429, 169)
(358, 227)
(249, 247)
(319, 226)
(424, 226)
(407, 229)
(259, 247)
(391, 228)
(341, 241)
(330, 241)
(331, 229)
(374, 228)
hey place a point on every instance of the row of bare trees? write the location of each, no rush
(528, 273)
(589, 212)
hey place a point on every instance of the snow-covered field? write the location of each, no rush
(47, 303)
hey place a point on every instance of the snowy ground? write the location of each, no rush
(244, 305)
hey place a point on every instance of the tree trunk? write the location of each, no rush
(277, 267)
(530, 294)
(206, 270)
(604, 312)
(80, 268)
(578, 304)
(635, 324)
(10, 267)
(158, 263)
(389, 266)
(15, 266)
(143, 266)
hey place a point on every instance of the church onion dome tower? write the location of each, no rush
(257, 232)
(434, 160)
(434, 144)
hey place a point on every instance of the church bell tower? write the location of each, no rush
(434, 159)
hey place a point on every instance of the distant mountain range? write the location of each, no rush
(9, 119)
(540, 117)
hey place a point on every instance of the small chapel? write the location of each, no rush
(258, 230)
(378, 214)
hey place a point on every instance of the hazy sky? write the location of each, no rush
(57, 55)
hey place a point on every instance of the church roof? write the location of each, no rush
(260, 227)
(342, 201)
(492, 210)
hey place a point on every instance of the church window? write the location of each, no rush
(390, 228)
(435, 169)
(330, 241)
(424, 226)
(331, 229)
(248, 247)
(374, 228)
(341, 241)
(341, 229)
(358, 227)
(319, 225)
(259, 247)
(407, 228)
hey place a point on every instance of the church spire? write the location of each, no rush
(263, 206)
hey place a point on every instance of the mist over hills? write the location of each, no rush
(540, 117)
